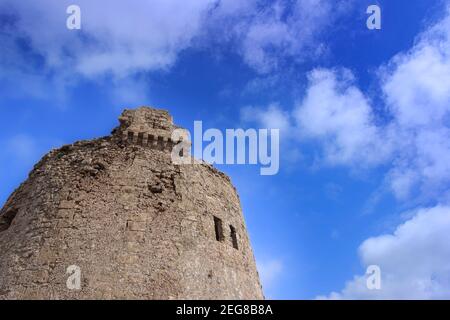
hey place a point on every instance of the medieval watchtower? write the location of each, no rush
(136, 225)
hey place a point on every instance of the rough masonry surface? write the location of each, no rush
(137, 225)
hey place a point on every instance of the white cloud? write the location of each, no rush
(117, 37)
(269, 34)
(119, 40)
(414, 260)
(337, 113)
(272, 117)
(420, 80)
(417, 91)
(417, 83)
(416, 139)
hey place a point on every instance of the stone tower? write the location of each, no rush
(118, 213)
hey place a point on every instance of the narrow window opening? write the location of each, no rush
(140, 139)
(130, 136)
(160, 143)
(218, 228)
(233, 237)
(6, 219)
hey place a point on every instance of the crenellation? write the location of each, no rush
(149, 140)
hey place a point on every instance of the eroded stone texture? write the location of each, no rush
(138, 226)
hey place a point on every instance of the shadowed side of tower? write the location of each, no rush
(136, 225)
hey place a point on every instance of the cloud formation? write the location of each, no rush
(338, 114)
(119, 41)
(416, 138)
(269, 34)
(414, 260)
(416, 85)
(412, 139)
(116, 37)
(272, 117)
(121, 38)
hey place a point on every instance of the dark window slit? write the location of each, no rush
(140, 138)
(233, 237)
(218, 229)
(6, 219)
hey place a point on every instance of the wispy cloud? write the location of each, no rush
(338, 114)
(269, 34)
(415, 142)
(131, 38)
(126, 38)
(272, 117)
(115, 43)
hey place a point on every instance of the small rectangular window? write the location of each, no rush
(140, 139)
(6, 219)
(234, 237)
(218, 228)
(130, 136)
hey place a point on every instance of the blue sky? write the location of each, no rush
(363, 116)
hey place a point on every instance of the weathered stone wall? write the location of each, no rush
(138, 226)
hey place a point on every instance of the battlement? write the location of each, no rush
(145, 139)
(147, 127)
